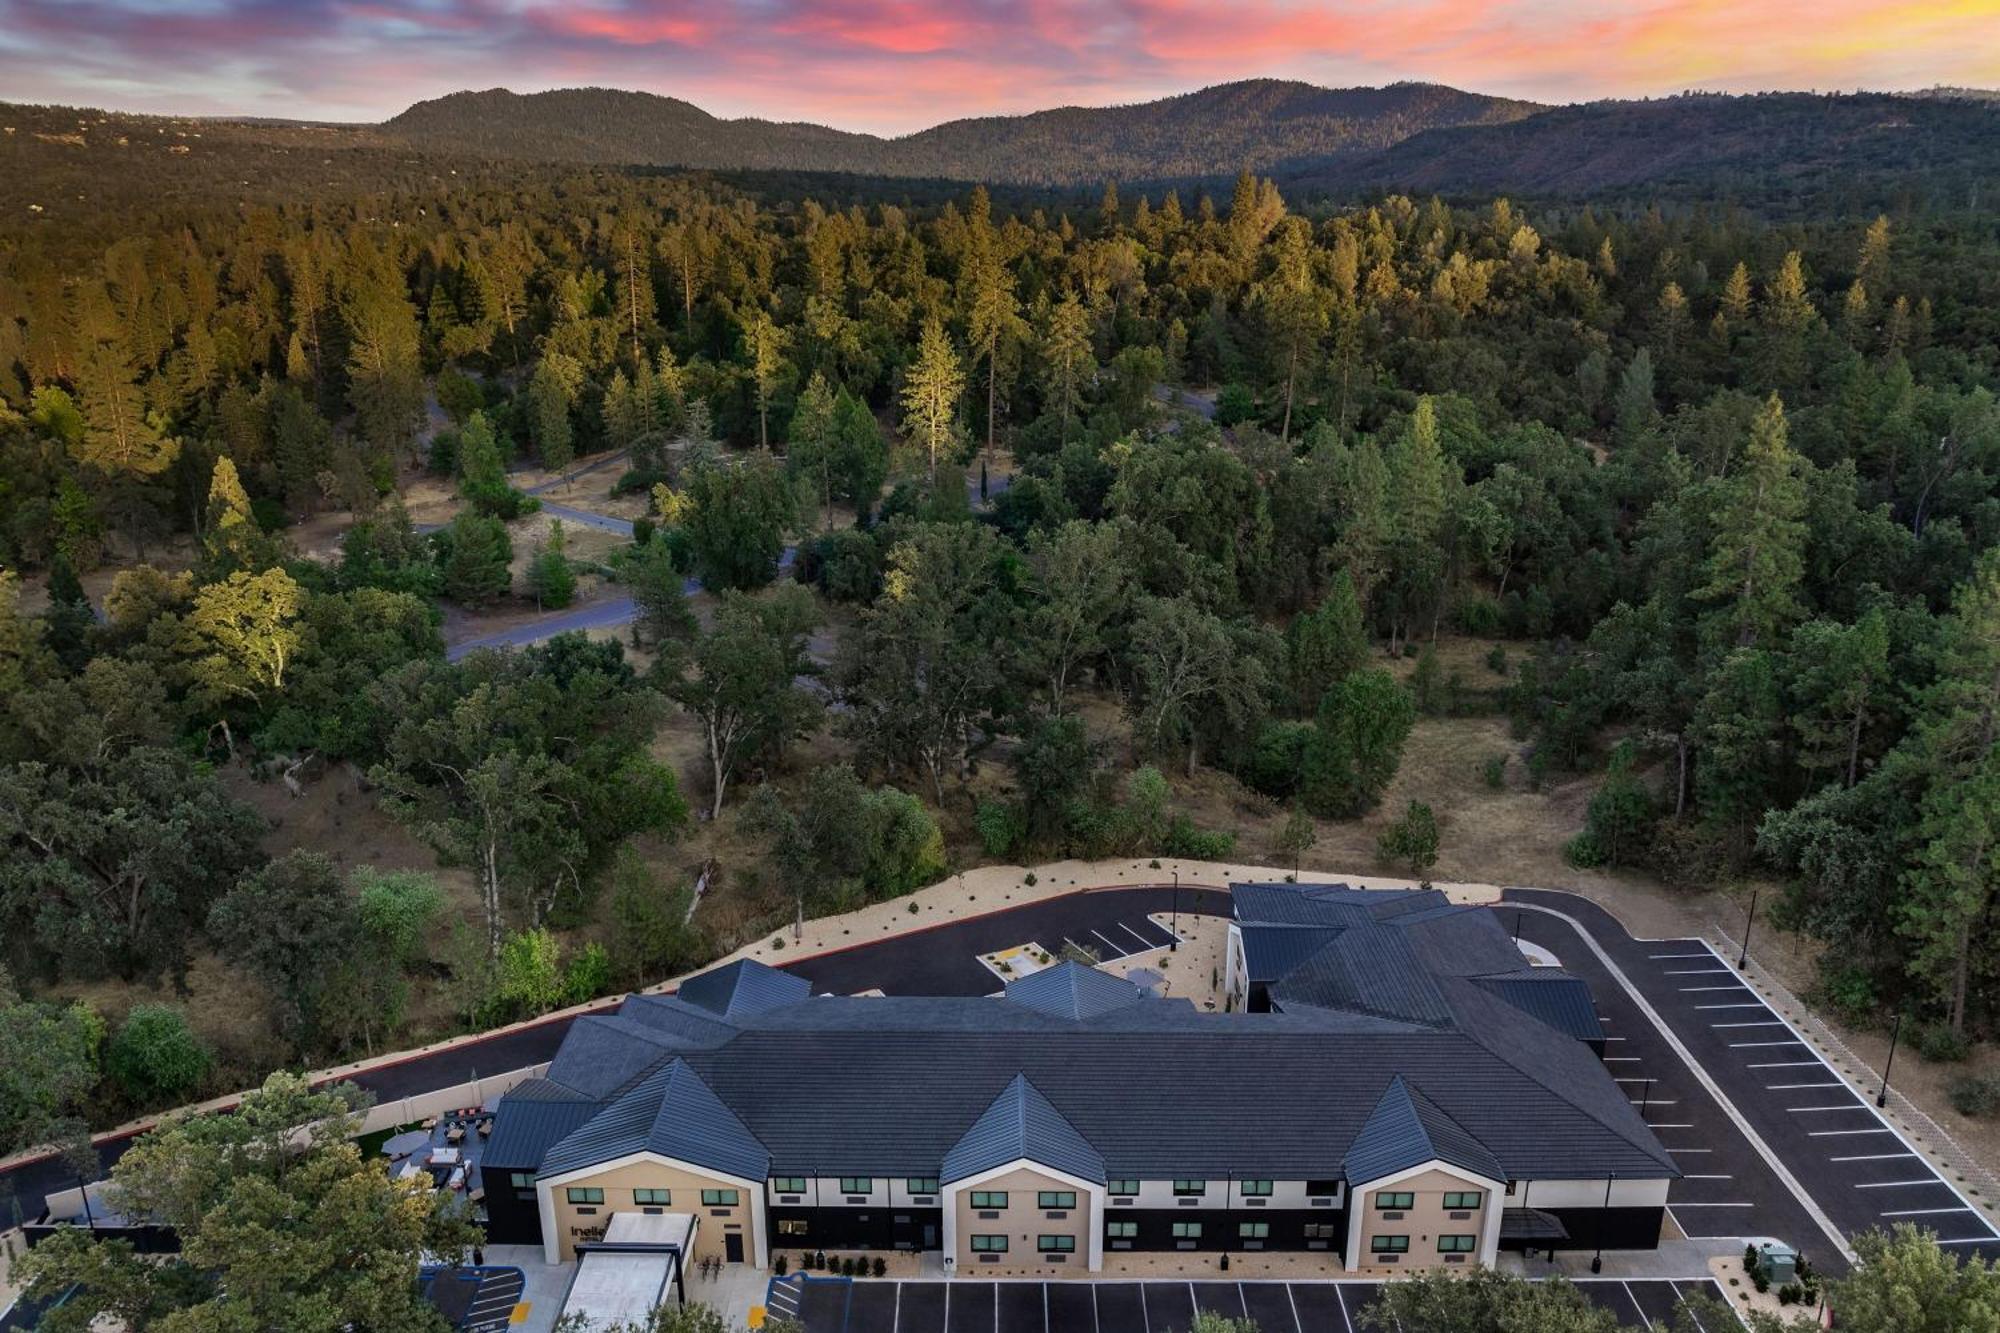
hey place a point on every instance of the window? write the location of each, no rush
(1322, 1187)
(1322, 1231)
(921, 1184)
(580, 1195)
(1187, 1231)
(857, 1184)
(989, 1245)
(1183, 1188)
(788, 1184)
(1056, 1199)
(1389, 1244)
(521, 1180)
(989, 1198)
(1056, 1244)
(1121, 1230)
(1254, 1230)
(652, 1196)
(1464, 1199)
(1456, 1244)
(719, 1198)
(1255, 1189)
(1386, 1199)
(791, 1226)
(1121, 1187)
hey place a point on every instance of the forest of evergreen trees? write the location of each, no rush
(1729, 485)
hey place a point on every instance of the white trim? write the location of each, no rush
(949, 1192)
(545, 1191)
(1489, 1222)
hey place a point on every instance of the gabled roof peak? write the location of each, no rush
(1072, 990)
(1020, 1124)
(1407, 1129)
(743, 987)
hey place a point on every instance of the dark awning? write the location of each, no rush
(1531, 1224)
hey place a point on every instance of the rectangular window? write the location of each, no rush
(1187, 1231)
(1389, 1244)
(1322, 1187)
(1400, 1199)
(1321, 1231)
(1255, 1189)
(1464, 1199)
(522, 1180)
(577, 1194)
(1121, 1230)
(1456, 1244)
(989, 1198)
(791, 1226)
(1056, 1244)
(1056, 1199)
(652, 1196)
(857, 1184)
(921, 1184)
(719, 1198)
(989, 1245)
(1121, 1188)
(788, 1184)
(1254, 1230)
(1185, 1188)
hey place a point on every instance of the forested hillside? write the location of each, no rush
(1705, 507)
(1262, 124)
(1766, 149)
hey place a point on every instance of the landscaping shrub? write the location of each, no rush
(1494, 771)
(1974, 1095)
(881, 1266)
(1937, 1043)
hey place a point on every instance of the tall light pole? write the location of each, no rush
(1882, 1097)
(1597, 1260)
(1175, 945)
(1743, 958)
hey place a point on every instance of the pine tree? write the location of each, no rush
(1070, 361)
(231, 536)
(810, 451)
(930, 394)
(1757, 553)
(1735, 307)
(550, 580)
(765, 342)
(550, 393)
(1416, 512)
(992, 314)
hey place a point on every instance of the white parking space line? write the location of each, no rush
(1601, 1019)
(1699, 972)
(1696, 1203)
(1971, 1240)
(1657, 956)
(1691, 1151)
(1785, 1064)
(1708, 1177)
(1926, 1212)
(1116, 952)
(1841, 1133)
(1143, 941)
(1690, 990)
(1621, 1059)
(1747, 1004)
(1766, 1023)
(1658, 1101)
(1742, 1045)
(1850, 1106)
(1631, 1080)
(1794, 1087)
(1898, 1184)
(1873, 1157)
(1659, 1125)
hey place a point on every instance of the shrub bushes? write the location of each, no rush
(1937, 1043)
(1974, 1095)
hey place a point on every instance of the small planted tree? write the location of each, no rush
(1412, 840)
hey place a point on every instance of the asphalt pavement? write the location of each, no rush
(966, 1305)
(1856, 1166)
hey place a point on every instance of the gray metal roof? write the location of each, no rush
(1072, 990)
(1020, 1123)
(1556, 998)
(743, 987)
(1407, 1129)
(1270, 951)
(671, 1112)
(603, 1052)
(529, 1126)
(1326, 904)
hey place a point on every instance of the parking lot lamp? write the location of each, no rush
(1597, 1260)
(1882, 1097)
(1175, 945)
(1743, 958)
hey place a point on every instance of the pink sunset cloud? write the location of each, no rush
(893, 66)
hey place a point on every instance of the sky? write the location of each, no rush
(893, 66)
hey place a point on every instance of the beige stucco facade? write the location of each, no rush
(1424, 1221)
(564, 1223)
(1024, 1221)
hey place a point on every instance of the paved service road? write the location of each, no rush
(1858, 1169)
(967, 1305)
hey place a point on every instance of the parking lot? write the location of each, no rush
(961, 1306)
(944, 960)
(1856, 1168)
